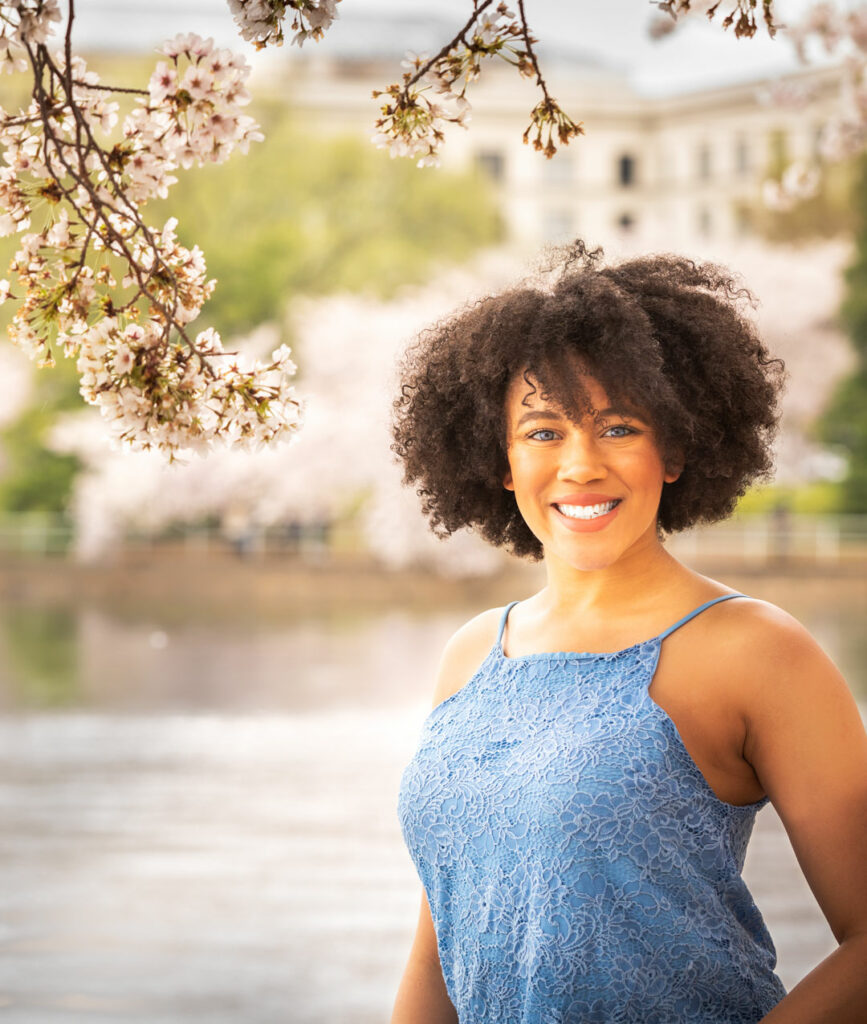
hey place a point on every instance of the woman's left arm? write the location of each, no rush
(807, 744)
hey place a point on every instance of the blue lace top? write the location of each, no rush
(578, 866)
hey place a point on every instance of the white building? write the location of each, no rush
(675, 171)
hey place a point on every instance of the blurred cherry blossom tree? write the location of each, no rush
(95, 280)
(338, 469)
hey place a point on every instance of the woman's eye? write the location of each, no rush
(619, 430)
(543, 435)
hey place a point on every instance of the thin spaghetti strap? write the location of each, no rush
(503, 621)
(697, 611)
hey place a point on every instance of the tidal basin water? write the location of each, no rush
(197, 821)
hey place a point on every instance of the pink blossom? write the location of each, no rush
(163, 83)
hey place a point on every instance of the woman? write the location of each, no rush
(586, 784)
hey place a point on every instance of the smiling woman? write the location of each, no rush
(659, 334)
(583, 792)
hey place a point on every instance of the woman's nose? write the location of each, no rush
(582, 459)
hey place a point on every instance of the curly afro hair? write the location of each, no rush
(660, 333)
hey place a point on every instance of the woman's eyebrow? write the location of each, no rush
(625, 411)
(538, 414)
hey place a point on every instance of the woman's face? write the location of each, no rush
(589, 491)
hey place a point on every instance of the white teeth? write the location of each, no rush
(586, 511)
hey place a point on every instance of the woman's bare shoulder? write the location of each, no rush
(465, 652)
(760, 629)
(760, 643)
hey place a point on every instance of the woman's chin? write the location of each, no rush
(596, 554)
(584, 561)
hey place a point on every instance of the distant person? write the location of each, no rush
(584, 789)
(237, 527)
(781, 531)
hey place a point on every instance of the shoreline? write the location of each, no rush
(190, 586)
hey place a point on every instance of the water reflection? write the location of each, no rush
(65, 655)
(39, 656)
(89, 658)
(199, 819)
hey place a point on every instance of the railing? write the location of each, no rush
(775, 540)
(35, 533)
(758, 541)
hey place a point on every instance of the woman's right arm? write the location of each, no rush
(422, 996)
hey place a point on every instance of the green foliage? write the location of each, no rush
(854, 308)
(34, 477)
(820, 498)
(844, 423)
(826, 214)
(307, 215)
(42, 650)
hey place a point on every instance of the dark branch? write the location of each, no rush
(447, 49)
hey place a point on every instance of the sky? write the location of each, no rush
(698, 55)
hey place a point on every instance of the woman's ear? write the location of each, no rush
(507, 481)
(673, 469)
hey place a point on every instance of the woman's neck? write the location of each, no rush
(637, 579)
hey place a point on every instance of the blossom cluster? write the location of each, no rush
(261, 21)
(432, 93)
(178, 398)
(844, 33)
(97, 282)
(741, 14)
(24, 22)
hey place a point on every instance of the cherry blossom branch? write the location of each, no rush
(77, 198)
(155, 384)
(110, 88)
(433, 90)
(547, 114)
(479, 7)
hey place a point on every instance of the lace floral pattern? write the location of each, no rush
(578, 866)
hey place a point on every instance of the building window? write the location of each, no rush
(492, 163)
(704, 222)
(778, 152)
(558, 225)
(560, 169)
(743, 220)
(665, 166)
(703, 162)
(626, 170)
(818, 147)
(742, 157)
(626, 223)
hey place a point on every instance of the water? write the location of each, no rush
(198, 820)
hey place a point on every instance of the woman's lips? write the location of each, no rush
(589, 525)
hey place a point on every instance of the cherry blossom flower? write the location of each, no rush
(261, 21)
(35, 19)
